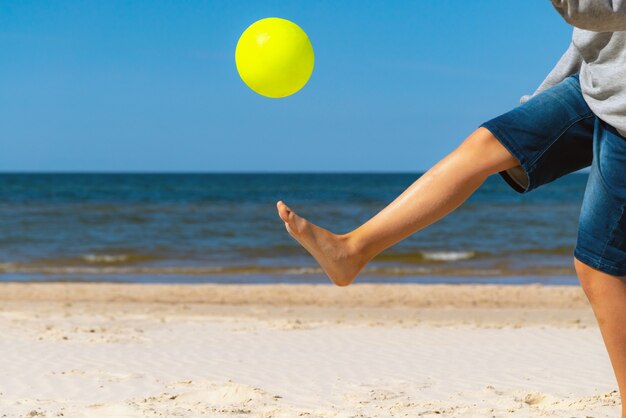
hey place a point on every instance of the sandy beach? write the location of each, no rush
(121, 350)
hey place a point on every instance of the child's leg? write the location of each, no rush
(607, 295)
(435, 194)
(601, 246)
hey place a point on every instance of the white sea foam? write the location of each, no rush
(398, 270)
(104, 258)
(448, 255)
(304, 270)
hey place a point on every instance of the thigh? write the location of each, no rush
(602, 226)
(551, 135)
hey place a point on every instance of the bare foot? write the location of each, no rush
(333, 252)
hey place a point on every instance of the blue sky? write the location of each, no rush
(152, 85)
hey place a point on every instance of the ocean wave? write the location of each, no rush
(130, 270)
(104, 258)
(109, 256)
(448, 255)
(377, 270)
(304, 270)
(425, 257)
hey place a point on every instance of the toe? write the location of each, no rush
(283, 211)
(285, 207)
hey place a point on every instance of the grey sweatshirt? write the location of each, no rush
(598, 53)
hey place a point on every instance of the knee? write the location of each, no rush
(488, 153)
(588, 278)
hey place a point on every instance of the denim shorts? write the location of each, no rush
(555, 133)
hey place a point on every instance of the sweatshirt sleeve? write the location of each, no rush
(593, 15)
(569, 64)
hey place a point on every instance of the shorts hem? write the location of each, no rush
(596, 263)
(511, 147)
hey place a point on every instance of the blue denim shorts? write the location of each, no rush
(555, 133)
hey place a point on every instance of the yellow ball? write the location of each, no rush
(274, 57)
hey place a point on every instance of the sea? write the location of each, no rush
(223, 228)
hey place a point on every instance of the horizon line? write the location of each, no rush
(204, 172)
(198, 172)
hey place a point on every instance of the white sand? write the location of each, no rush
(71, 356)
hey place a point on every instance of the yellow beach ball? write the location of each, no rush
(274, 57)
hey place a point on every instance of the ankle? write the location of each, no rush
(355, 247)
